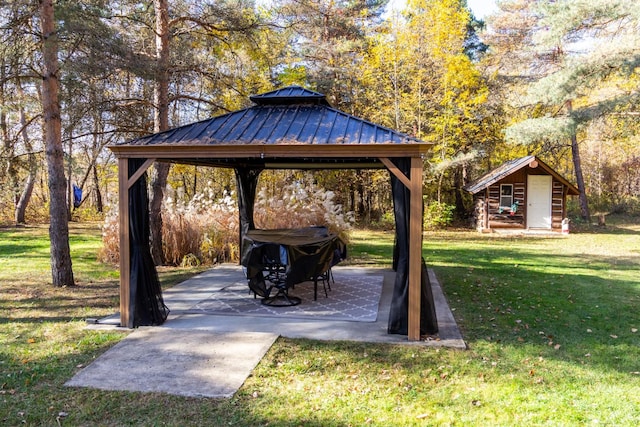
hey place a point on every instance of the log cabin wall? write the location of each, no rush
(513, 216)
(558, 206)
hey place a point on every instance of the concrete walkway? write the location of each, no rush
(212, 355)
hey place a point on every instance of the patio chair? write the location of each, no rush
(275, 272)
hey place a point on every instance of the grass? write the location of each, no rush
(552, 327)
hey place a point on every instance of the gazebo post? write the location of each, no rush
(125, 182)
(414, 185)
(125, 256)
(415, 249)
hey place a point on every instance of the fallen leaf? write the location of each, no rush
(31, 340)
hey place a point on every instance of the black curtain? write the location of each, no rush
(399, 313)
(247, 183)
(146, 305)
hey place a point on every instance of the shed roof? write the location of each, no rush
(286, 117)
(512, 166)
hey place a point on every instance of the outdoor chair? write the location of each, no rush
(275, 273)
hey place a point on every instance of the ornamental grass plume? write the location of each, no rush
(302, 204)
(205, 229)
(110, 251)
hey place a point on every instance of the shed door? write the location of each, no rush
(539, 201)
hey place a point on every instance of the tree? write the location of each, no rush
(61, 268)
(20, 107)
(161, 123)
(583, 49)
(32, 163)
(215, 20)
(422, 81)
(328, 41)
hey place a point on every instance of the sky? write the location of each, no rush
(480, 8)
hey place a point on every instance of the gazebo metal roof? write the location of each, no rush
(315, 136)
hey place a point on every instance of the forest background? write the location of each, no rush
(556, 79)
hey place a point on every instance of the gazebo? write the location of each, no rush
(289, 128)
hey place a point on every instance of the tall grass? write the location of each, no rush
(205, 229)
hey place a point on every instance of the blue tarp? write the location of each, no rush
(77, 196)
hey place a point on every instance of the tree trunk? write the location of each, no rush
(61, 269)
(161, 123)
(577, 166)
(96, 186)
(70, 204)
(8, 146)
(458, 178)
(27, 190)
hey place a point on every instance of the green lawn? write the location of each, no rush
(552, 327)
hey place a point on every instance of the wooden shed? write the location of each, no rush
(524, 193)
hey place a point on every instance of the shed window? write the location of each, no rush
(506, 195)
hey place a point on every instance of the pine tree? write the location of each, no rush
(61, 268)
(581, 47)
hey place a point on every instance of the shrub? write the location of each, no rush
(438, 215)
(387, 221)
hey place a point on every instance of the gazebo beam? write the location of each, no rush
(270, 151)
(396, 172)
(136, 176)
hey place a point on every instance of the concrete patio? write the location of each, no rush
(183, 297)
(205, 355)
